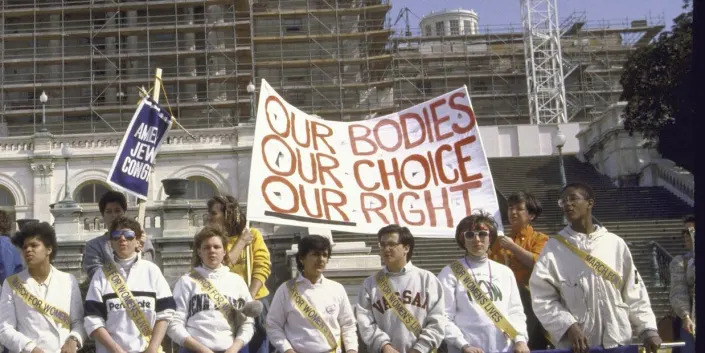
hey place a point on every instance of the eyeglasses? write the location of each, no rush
(469, 234)
(568, 199)
(388, 245)
(128, 234)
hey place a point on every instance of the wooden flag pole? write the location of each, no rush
(248, 265)
(142, 204)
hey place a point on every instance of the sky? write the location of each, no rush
(504, 12)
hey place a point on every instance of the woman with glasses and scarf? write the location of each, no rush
(482, 299)
(225, 212)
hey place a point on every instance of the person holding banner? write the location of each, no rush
(129, 302)
(200, 324)
(519, 251)
(41, 309)
(585, 288)
(401, 308)
(482, 300)
(98, 251)
(311, 313)
(246, 252)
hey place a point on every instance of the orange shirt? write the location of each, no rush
(528, 239)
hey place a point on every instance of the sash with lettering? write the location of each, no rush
(128, 301)
(219, 300)
(310, 313)
(595, 264)
(478, 296)
(398, 308)
(59, 316)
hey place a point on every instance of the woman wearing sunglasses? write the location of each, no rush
(482, 299)
(40, 307)
(199, 324)
(129, 302)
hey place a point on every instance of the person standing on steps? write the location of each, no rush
(585, 288)
(682, 291)
(520, 250)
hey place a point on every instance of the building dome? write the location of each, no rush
(449, 23)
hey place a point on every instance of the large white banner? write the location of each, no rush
(423, 167)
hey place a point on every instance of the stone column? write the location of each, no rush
(177, 235)
(43, 171)
(67, 220)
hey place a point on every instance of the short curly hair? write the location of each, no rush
(470, 222)
(44, 231)
(124, 222)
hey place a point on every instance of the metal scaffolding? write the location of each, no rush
(337, 59)
(544, 61)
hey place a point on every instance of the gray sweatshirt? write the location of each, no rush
(422, 295)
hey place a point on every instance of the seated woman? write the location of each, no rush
(40, 308)
(198, 324)
(244, 243)
(128, 282)
(329, 314)
(481, 296)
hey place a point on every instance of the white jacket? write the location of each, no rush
(22, 327)
(287, 328)
(104, 309)
(422, 295)
(467, 322)
(565, 291)
(196, 316)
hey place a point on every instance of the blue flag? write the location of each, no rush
(138, 150)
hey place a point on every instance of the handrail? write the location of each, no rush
(661, 260)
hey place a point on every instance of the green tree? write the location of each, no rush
(657, 87)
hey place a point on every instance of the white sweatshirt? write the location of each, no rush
(422, 295)
(104, 309)
(467, 321)
(196, 316)
(22, 328)
(565, 291)
(287, 328)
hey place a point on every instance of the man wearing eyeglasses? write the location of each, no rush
(98, 250)
(400, 290)
(585, 288)
(682, 292)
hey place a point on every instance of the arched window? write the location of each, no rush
(200, 188)
(6, 198)
(90, 192)
(7, 204)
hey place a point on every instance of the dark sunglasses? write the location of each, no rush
(472, 233)
(128, 234)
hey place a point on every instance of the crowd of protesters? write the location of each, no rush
(508, 293)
